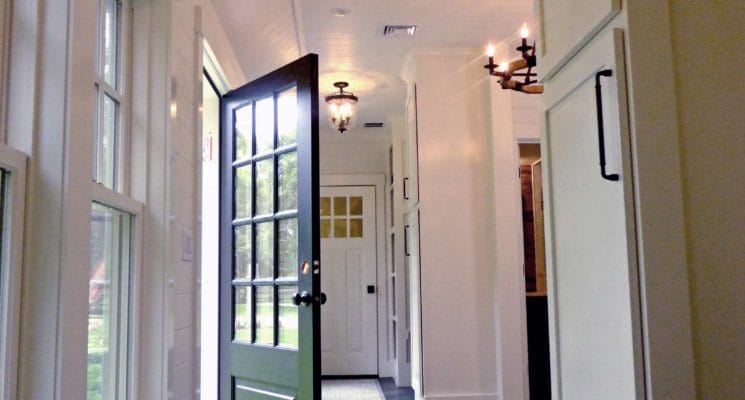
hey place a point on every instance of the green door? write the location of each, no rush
(269, 237)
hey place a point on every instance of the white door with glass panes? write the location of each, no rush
(349, 318)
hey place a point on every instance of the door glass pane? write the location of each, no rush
(265, 250)
(242, 258)
(340, 228)
(325, 206)
(243, 191)
(264, 125)
(340, 206)
(242, 313)
(265, 187)
(108, 301)
(287, 117)
(287, 173)
(243, 131)
(288, 248)
(355, 205)
(264, 314)
(355, 227)
(288, 322)
(325, 228)
(111, 42)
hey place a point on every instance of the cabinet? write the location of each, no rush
(561, 40)
(411, 151)
(591, 249)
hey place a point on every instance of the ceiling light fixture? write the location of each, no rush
(341, 107)
(506, 71)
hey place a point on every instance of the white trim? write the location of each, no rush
(384, 367)
(14, 162)
(213, 68)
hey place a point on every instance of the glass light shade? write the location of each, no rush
(341, 108)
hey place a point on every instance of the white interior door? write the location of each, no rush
(591, 249)
(348, 253)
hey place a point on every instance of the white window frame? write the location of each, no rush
(13, 162)
(110, 198)
(118, 197)
(120, 94)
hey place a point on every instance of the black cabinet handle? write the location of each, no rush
(406, 241)
(406, 195)
(601, 129)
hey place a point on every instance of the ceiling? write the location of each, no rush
(266, 34)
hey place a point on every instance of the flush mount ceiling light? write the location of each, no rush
(341, 107)
(506, 71)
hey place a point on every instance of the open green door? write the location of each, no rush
(269, 237)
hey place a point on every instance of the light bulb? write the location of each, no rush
(490, 50)
(524, 31)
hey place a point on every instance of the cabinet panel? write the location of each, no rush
(591, 246)
(567, 25)
(411, 155)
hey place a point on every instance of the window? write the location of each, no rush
(114, 227)
(12, 190)
(108, 302)
(110, 97)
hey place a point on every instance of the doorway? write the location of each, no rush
(536, 306)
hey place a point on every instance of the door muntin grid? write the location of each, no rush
(265, 226)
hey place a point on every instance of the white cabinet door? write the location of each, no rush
(591, 249)
(413, 277)
(560, 39)
(411, 156)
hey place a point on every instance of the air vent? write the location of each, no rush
(373, 125)
(399, 30)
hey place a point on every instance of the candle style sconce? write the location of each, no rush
(507, 71)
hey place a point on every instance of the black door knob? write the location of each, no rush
(303, 298)
(323, 298)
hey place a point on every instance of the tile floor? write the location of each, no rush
(392, 392)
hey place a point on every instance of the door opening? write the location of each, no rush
(536, 306)
(208, 288)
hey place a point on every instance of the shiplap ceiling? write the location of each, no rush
(266, 34)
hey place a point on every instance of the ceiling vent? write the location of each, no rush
(373, 125)
(399, 30)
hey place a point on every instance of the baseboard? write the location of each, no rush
(349, 377)
(483, 396)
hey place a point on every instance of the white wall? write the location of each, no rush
(708, 37)
(457, 226)
(514, 118)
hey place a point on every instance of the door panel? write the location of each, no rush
(591, 247)
(560, 40)
(269, 242)
(349, 319)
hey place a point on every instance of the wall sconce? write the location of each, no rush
(341, 107)
(506, 71)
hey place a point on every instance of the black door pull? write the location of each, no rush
(601, 129)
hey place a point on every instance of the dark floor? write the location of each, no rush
(393, 392)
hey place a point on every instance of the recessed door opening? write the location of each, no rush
(208, 288)
(535, 271)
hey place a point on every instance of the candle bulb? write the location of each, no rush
(490, 53)
(524, 32)
(503, 66)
